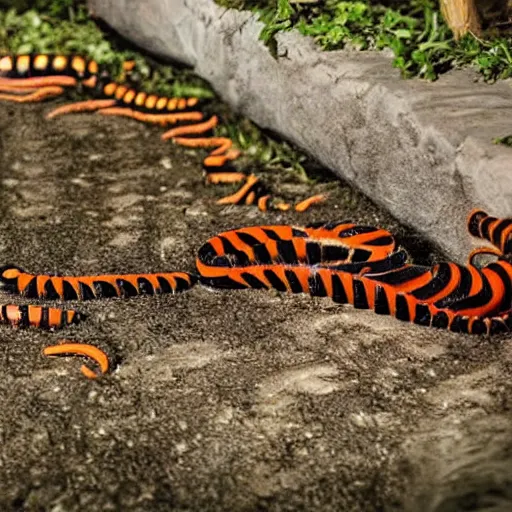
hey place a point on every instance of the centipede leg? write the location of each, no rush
(80, 106)
(161, 119)
(35, 96)
(37, 82)
(193, 129)
(483, 250)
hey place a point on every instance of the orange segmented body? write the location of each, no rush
(35, 77)
(497, 231)
(47, 65)
(38, 316)
(360, 265)
(15, 280)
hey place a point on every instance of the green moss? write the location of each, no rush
(421, 42)
(505, 141)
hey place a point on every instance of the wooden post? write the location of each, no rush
(462, 16)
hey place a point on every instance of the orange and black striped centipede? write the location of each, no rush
(48, 75)
(41, 286)
(38, 316)
(350, 263)
(360, 265)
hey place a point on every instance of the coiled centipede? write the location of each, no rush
(350, 263)
(360, 265)
(48, 75)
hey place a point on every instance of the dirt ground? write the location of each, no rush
(221, 400)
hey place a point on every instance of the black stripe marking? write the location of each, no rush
(50, 292)
(86, 292)
(253, 281)
(287, 252)
(69, 293)
(45, 318)
(316, 285)
(293, 281)
(422, 315)
(63, 319)
(360, 255)
(460, 293)
(313, 253)
(381, 306)
(402, 308)
(474, 301)
(274, 280)
(181, 285)
(474, 222)
(498, 231)
(485, 225)
(271, 234)
(438, 283)
(356, 230)
(497, 326)
(104, 289)
(207, 254)
(460, 324)
(381, 241)
(4, 314)
(401, 275)
(240, 257)
(339, 294)
(299, 233)
(30, 290)
(24, 316)
(506, 302)
(145, 287)
(360, 298)
(261, 255)
(334, 253)
(127, 288)
(222, 282)
(165, 286)
(440, 320)
(248, 239)
(478, 327)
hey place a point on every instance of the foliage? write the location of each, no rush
(421, 42)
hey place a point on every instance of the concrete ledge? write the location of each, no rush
(421, 150)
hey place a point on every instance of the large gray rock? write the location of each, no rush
(422, 150)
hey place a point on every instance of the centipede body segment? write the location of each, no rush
(38, 316)
(16, 280)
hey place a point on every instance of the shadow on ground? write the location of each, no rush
(231, 400)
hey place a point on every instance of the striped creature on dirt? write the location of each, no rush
(36, 77)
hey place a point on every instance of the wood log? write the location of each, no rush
(462, 17)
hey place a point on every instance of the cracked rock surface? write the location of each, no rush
(421, 150)
(220, 400)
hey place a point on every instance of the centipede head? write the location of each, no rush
(498, 231)
(474, 222)
(8, 273)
